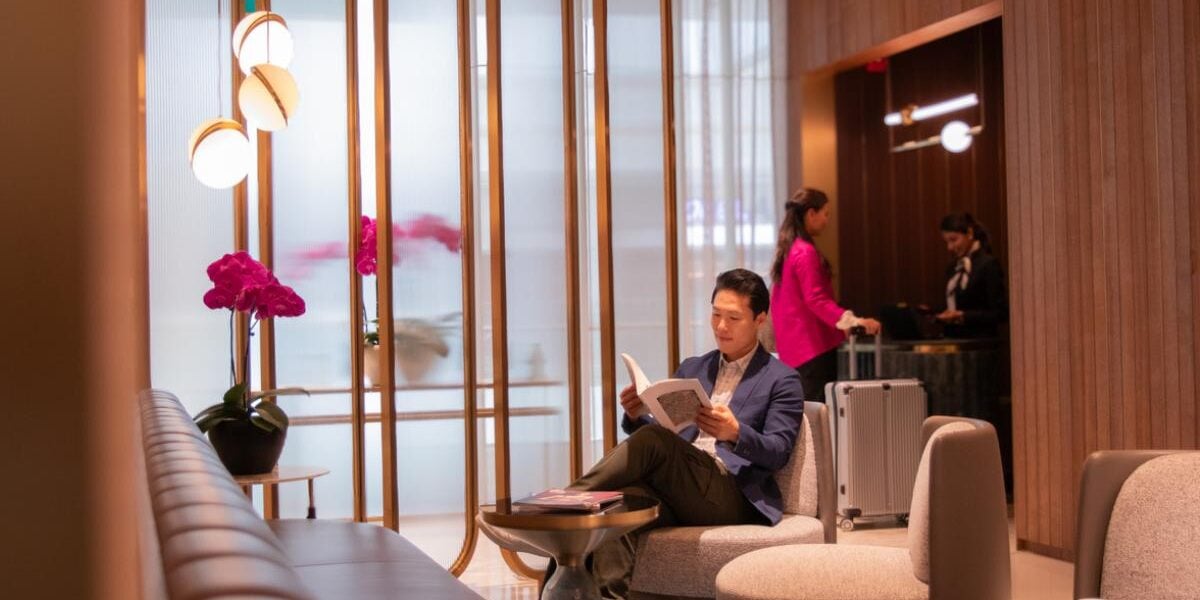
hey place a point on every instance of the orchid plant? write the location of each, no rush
(242, 284)
(366, 262)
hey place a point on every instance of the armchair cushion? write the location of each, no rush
(1150, 550)
(798, 478)
(844, 572)
(683, 560)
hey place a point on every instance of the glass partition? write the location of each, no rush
(187, 53)
(427, 272)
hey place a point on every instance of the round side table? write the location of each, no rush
(283, 474)
(567, 537)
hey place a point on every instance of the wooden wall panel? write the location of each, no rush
(890, 204)
(832, 30)
(1102, 152)
(1103, 174)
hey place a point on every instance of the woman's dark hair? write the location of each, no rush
(964, 223)
(744, 282)
(794, 210)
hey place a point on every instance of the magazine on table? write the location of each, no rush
(556, 500)
(674, 403)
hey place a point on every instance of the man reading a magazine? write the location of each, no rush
(720, 471)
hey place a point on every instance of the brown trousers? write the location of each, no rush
(691, 488)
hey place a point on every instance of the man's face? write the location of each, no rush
(734, 325)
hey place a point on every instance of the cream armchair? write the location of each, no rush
(957, 536)
(674, 562)
(1139, 525)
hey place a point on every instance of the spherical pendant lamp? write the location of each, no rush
(219, 153)
(956, 136)
(262, 38)
(268, 97)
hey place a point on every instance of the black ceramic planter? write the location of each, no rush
(246, 449)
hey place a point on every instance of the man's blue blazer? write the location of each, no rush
(769, 406)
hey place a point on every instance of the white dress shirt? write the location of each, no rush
(729, 375)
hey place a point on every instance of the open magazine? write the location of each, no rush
(673, 402)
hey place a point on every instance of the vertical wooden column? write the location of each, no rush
(496, 235)
(608, 342)
(354, 230)
(466, 168)
(571, 230)
(383, 212)
(266, 255)
(241, 210)
(670, 180)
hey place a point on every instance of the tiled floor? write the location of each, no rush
(1035, 577)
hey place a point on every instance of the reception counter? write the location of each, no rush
(968, 378)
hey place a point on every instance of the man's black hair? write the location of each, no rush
(745, 283)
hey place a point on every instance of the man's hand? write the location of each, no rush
(632, 403)
(718, 422)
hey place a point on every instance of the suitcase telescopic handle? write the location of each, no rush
(856, 331)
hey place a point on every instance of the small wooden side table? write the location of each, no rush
(284, 474)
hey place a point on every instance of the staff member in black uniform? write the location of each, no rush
(976, 306)
(976, 301)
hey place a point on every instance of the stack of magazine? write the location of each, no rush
(567, 501)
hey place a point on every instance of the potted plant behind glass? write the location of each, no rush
(245, 429)
(417, 341)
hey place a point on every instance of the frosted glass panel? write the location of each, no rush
(639, 257)
(190, 225)
(427, 302)
(533, 171)
(309, 199)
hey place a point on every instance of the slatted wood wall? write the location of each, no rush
(830, 31)
(1102, 131)
(1103, 115)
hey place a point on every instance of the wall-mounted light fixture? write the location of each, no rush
(955, 136)
(913, 113)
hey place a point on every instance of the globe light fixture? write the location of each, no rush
(268, 97)
(262, 38)
(956, 136)
(219, 153)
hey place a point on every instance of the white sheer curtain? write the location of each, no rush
(731, 79)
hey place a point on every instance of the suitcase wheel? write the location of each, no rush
(846, 524)
(902, 519)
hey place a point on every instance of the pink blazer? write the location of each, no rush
(803, 311)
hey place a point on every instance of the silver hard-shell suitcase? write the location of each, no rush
(877, 441)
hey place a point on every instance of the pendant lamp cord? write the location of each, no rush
(219, 70)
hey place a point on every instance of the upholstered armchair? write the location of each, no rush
(1138, 534)
(957, 536)
(677, 562)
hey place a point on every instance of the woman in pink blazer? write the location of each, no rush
(809, 324)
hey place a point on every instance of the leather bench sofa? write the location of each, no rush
(206, 540)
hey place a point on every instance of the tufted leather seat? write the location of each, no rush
(212, 544)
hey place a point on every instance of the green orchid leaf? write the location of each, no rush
(211, 421)
(235, 395)
(272, 414)
(208, 411)
(212, 415)
(262, 424)
(290, 391)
